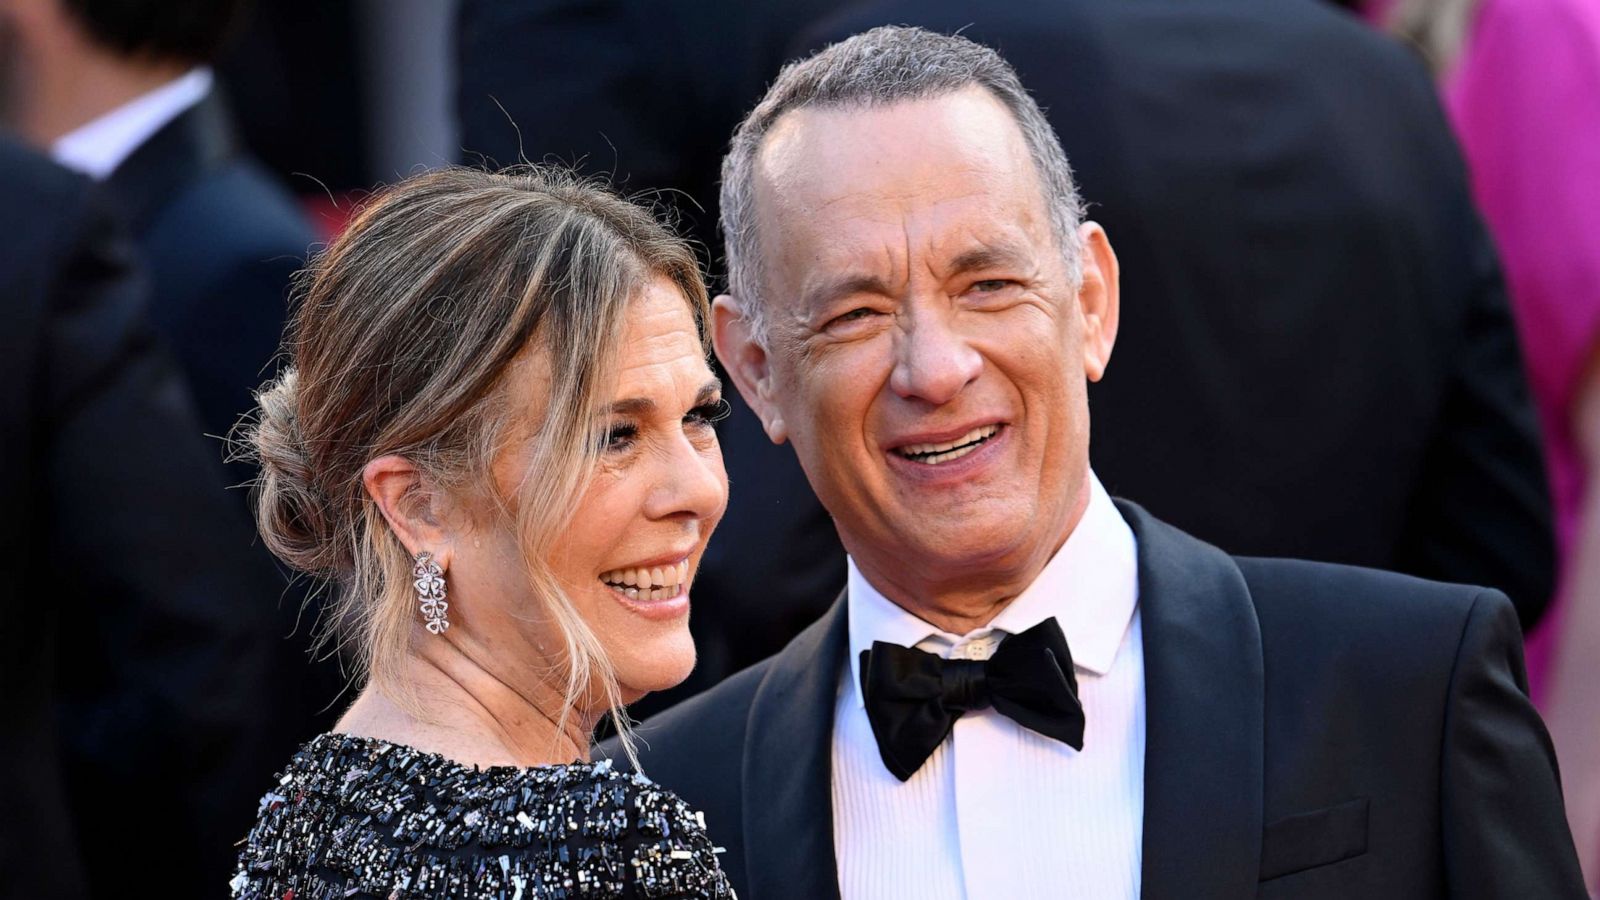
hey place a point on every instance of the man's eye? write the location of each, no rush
(854, 315)
(990, 285)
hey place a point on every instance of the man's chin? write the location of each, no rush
(945, 548)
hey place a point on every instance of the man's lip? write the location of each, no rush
(943, 436)
(951, 472)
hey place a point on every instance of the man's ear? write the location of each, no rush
(1099, 299)
(745, 359)
(412, 511)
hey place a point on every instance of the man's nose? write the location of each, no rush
(933, 360)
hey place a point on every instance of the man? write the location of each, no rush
(137, 733)
(1274, 176)
(1028, 690)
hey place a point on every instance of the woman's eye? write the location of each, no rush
(618, 437)
(710, 413)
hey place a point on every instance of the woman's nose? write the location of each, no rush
(693, 483)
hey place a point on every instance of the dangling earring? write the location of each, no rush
(428, 579)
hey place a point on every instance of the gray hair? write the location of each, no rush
(876, 68)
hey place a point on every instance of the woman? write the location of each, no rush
(495, 440)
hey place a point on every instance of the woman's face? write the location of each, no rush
(629, 554)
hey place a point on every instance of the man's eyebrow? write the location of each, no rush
(844, 286)
(985, 257)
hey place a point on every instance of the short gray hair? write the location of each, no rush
(876, 68)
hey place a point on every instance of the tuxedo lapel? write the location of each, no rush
(788, 767)
(1203, 712)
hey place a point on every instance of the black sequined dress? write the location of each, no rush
(358, 817)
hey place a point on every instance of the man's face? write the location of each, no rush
(927, 350)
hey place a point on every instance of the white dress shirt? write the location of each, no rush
(98, 147)
(999, 812)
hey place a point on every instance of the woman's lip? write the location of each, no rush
(657, 610)
(662, 561)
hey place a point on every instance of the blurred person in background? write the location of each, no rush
(1317, 359)
(1521, 83)
(138, 620)
(123, 91)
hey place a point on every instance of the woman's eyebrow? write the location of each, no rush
(643, 406)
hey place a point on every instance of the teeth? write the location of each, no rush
(937, 453)
(657, 583)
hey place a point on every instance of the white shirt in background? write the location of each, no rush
(98, 147)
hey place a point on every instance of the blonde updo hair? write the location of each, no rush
(405, 329)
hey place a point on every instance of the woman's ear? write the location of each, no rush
(412, 511)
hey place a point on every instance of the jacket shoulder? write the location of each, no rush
(1385, 627)
(1353, 595)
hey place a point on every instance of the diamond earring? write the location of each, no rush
(428, 579)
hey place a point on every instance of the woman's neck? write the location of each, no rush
(472, 715)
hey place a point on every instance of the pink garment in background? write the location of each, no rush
(1524, 99)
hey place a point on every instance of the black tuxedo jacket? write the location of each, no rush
(1313, 731)
(138, 620)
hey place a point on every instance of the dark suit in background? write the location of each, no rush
(138, 620)
(221, 240)
(1313, 732)
(1315, 357)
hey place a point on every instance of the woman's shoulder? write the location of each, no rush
(369, 816)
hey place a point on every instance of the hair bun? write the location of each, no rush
(295, 517)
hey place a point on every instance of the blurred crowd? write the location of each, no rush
(1363, 327)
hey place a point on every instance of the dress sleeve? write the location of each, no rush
(666, 850)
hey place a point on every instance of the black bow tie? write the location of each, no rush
(914, 698)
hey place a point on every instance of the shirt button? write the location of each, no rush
(980, 649)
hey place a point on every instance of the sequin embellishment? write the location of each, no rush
(364, 818)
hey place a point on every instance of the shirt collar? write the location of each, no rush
(1090, 587)
(97, 147)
